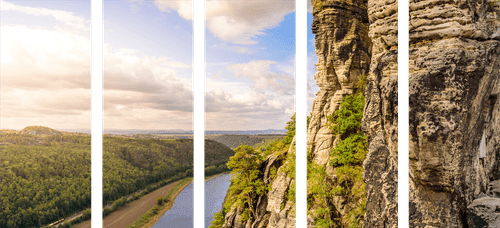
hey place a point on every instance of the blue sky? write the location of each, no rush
(311, 69)
(250, 54)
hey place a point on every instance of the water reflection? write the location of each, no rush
(181, 214)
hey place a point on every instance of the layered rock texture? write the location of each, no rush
(343, 49)
(380, 120)
(454, 112)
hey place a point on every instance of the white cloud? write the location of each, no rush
(287, 67)
(67, 18)
(177, 64)
(46, 81)
(239, 49)
(258, 71)
(46, 76)
(218, 76)
(59, 58)
(235, 21)
(256, 95)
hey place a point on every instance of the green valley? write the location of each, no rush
(45, 173)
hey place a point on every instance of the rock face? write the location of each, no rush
(454, 108)
(485, 211)
(454, 88)
(272, 209)
(380, 119)
(343, 49)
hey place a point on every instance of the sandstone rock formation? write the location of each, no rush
(484, 211)
(343, 49)
(273, 209)
(454, 87)
(380, 119)
(454, 109)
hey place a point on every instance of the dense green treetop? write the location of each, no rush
(45, 174)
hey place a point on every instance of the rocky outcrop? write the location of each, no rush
(454, 114)
(485, 211)
(454, 87)
(272, 209)
(380, 119)
(343, 49)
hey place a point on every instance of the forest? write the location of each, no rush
(247, 184)
(341, 178)
(234, 141)
(45, 174)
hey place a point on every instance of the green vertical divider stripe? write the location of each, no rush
(300, 174)
(198, 113)
(96, 114)
(403, 113)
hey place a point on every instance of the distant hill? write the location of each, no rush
(8, 131)
(33, 135)
(234, 141)
(39, 130)
(171, 132)
(190, 132)
(35, 162)
(44, 131)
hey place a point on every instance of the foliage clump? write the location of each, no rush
(318, 4)
(45, 174)
(346, 159)
(346, 124)
(247, 183)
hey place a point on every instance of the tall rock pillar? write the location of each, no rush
(343, 49)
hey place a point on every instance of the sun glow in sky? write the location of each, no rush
(250, 61)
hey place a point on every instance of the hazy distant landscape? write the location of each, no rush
(46, 173)
(231, 139)
(170, 131)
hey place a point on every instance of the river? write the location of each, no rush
(181, 213)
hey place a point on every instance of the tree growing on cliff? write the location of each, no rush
(246, 185)
(348, 155)
(346, 159)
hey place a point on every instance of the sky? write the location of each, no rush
(250, 64)
(312, 87)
